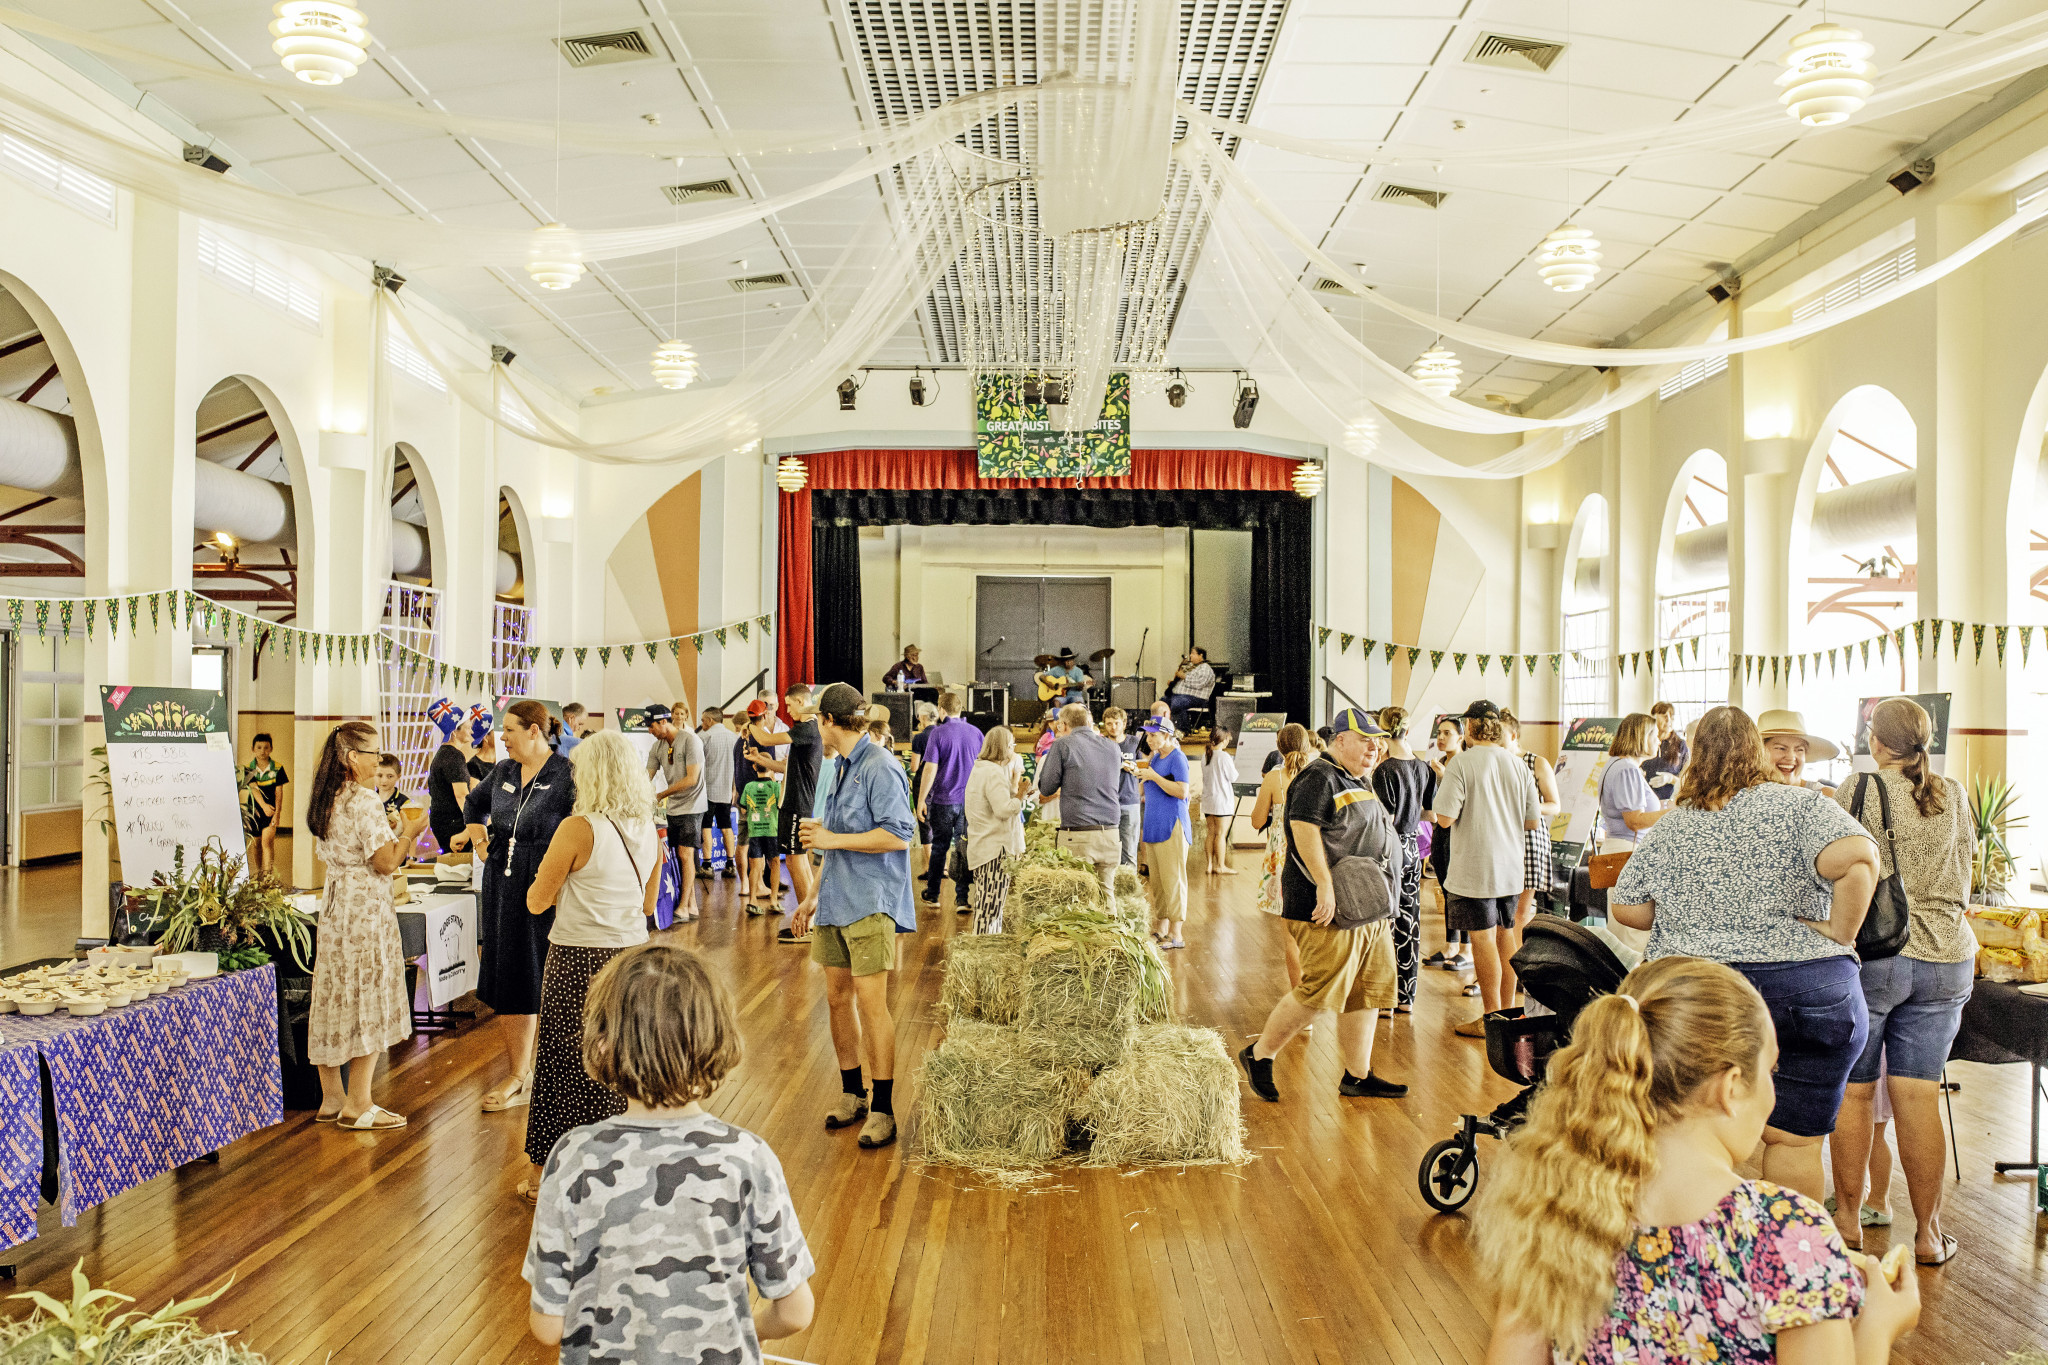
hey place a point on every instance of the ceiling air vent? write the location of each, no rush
(1409, 195)
(603, 49)
(1326, 285)
(747, 284)
(1516, 54)
(699, 192)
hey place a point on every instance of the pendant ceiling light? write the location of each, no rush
(1569, 260)
(1362, 437)
(1827, 76)
(321, 43)
(1437, 370)
(791, 474)
(673, 364)
(555, 261)
(1308, 478)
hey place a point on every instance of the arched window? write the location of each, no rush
(1586, 674)
(1861, 572)
(1692, 598)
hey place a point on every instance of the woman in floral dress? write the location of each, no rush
(359, 1004)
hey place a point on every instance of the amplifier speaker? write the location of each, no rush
(994, 697)
(1135, 695)
(899, 712)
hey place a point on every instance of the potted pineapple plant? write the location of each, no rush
(1992, 818)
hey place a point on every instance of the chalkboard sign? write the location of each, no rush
(171, 763)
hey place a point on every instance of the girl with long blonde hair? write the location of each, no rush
(1620, 1228)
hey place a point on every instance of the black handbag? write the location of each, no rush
(1890, 917)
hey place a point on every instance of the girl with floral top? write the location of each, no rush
(1622, 1231)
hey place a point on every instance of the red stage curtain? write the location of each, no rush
(795, 659)
(1200, 469)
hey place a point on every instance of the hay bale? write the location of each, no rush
(984, 978)
(1172, 1100)
(1038, 892)
(1090, 978)
(995, 1096)
(1127, 883)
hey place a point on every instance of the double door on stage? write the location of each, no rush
(1039, 616)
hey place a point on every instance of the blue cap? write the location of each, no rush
(1357, 722)
(1159, 725)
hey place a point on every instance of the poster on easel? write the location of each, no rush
(171, 777)
(1581, 759)
(1935, 704)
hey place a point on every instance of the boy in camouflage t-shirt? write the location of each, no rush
(649, 1224)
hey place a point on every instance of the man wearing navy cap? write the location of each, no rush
(1350, 971)
(1489, 797)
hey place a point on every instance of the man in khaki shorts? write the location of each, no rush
(1350, 971)
(860, 902)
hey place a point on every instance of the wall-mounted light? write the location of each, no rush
(1247, 404)
(791, 474)
(917, 390)
(847, 392)
(1177, 391)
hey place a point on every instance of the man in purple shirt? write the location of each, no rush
(950, 748)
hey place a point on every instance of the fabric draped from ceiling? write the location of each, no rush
(795, 653)
(1224, 490)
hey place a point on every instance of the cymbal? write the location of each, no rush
(1099, 655)
(1043, 661)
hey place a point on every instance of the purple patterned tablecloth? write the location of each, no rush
(139, 1090)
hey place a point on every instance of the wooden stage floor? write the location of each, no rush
(406, 1247)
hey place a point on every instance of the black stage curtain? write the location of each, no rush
(1282, 570)
(835, 595)
(1281, 556)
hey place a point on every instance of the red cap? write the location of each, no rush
(757, 707)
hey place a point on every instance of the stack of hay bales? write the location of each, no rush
(1061, 1037)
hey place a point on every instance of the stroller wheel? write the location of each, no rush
(1449, 1174)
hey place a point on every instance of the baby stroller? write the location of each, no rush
(1562, 966)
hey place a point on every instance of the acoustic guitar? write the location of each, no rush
(1050, 685)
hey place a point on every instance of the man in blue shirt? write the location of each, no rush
(1084, 769)
(860, 903)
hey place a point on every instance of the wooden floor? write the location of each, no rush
(407, 1246)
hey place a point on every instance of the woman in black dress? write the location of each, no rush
(512, 814)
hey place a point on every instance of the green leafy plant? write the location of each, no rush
(1992, 864)
(217, 893)
(99, 785)
(93, 1329)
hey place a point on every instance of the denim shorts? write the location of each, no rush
(1818, 1011)
(1915, 1009)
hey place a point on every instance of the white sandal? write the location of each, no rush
(375, 1119)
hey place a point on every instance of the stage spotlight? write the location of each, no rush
(1247, 402)
(847, 389)
(1177, 391)
(502, 355)
(204, 159)
(916, 390)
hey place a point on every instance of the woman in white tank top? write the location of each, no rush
(601, 874)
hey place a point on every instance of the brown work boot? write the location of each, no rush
(846, 1111)
(878, 1131)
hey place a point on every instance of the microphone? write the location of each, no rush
(992, 648)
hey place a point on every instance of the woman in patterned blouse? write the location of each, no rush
(1623, 1231)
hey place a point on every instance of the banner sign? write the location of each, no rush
(1581, 759)
(1018, 440)
(1256, 738)
(452, 958)
(171, 776)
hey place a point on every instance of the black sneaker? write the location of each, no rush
(1371, 1088)
(928, 897)
(1260, 1074)
(964, 910)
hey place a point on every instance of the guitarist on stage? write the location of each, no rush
(1064, 682)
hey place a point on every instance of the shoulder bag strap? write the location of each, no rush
(628, 848)
(1884, 815)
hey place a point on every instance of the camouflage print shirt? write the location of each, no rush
(646, 1232)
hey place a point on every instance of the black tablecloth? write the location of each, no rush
(2001, 1023)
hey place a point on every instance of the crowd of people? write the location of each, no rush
(1762, 1016)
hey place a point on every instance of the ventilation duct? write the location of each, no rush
(39, 453)
(1858, 521)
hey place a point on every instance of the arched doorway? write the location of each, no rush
(1692, 590)
(1857, 522)
(511, 616)
(1586, 673)
(42, 555)
(409, 676)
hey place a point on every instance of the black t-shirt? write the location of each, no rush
(1407, 788)
(1316, 796)
(443, 774)
(800, 785)
(478, 769)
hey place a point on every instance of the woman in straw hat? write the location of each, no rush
(1790, 744)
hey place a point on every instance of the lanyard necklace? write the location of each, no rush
(512, 845)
